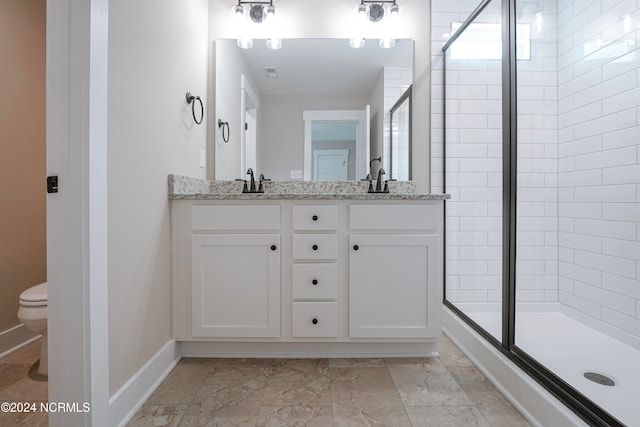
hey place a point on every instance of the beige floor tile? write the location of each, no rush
(158, 416)
(12, 373)
(450, 355)
(365, 396)
(289, 416)
(25, 390)
(492, 404)
(427, 384)
(35, 419)
(298, 382)
(446, 416)
(231, 395)
(182, 384)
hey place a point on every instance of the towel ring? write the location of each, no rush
(224, 125)
(191, 100)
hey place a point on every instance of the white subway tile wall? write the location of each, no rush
(578, 226)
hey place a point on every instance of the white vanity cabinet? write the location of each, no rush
(233, 270)
(394, 262)
(333, 277)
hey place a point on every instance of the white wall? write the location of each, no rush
(157, 52)
(599, 160)
(334, 19)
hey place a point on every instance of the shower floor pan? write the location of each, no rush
(570, 345)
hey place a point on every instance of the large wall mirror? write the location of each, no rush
(266, 94)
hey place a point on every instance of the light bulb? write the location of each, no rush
(387, 42)
(362, 10)
(274, 43)
(245, 43)
(356, 43)
(238, 11)
(270, 11)
(394, 9)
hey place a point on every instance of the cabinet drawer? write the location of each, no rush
(314, 281)
(394, 217)
(315, 217)
(235, 217)
(314, 319)
(315, 246)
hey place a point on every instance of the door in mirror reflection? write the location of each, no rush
(336, 144)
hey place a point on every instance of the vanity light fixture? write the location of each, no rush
(259, 12)
(375, 11)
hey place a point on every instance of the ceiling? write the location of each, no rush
(324, 66)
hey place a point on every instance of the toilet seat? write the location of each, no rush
(35, 296)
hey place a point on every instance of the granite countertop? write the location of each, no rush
(187, 188)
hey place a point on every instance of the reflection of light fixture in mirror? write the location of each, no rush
(356, 42)
(387, 42)
(274, 43)
(259, 12)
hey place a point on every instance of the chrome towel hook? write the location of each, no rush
(191, 100)
(225, 134)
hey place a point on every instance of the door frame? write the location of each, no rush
(76, 116)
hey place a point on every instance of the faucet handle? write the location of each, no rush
(245, 189)
(262, 179)
(386, 185)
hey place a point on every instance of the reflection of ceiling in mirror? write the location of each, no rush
(324, 66)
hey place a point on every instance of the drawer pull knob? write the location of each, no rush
(274, 247)
(314, 321)
(315, 217)
(314, 281)
(315, 247)
(356, 247)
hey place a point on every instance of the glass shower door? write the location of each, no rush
(473, 168)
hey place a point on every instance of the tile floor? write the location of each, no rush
(445, 391)
(20, 382)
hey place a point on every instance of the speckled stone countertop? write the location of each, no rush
(187, 188)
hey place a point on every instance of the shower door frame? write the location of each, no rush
(585, 408)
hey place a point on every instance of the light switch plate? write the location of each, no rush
(296, 174)
(203, 158)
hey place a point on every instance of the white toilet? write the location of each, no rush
(33, 314)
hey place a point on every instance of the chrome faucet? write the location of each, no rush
(252, 188)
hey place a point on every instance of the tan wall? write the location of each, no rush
(23, 259)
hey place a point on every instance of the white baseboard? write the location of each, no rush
(307, 349)
(535, 403)
(15, 338)
(124, 404)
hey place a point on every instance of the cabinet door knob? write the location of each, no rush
(315, 247)
(315, 217)
(356, 247)
(274, 247)
(314, 281)
(314, 321)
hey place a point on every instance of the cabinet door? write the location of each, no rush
(235, 285)
(393, 285)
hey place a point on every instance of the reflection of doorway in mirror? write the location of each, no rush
(249, 105)
(330, 165)
(338, 130)
(250, 124)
